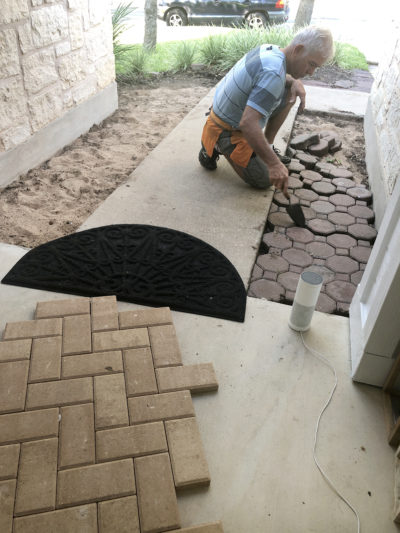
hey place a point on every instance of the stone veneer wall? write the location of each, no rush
(55, 57)
(382, 126)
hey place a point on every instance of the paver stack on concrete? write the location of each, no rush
(97, 425)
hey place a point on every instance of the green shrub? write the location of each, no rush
(348, 57)
(184, 55)
(118, 27)
(212, 49)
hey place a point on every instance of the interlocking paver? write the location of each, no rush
(306, 194)
(164, 346)
(65, 392)
(307, 160)
(131, 441)
(360, 253)
(104, 313)
(273, 263)
(145, 317)
(20, 427)
(158, 507)
(321, 250)
(356, 277)
(77, 446)
(360, 211)
(73, 520)
(276, 240)
(336, 172)
(119, 516)
(343, 200)
(7, 492)
(46, 327)
(323, 188)
(341, 241)
(323, 207)
(45, 359)
(342, 264)
(322, 227)
(282, 201)
(341, 291)
(95, 483)
(300, 234)
(363, 231)
(196, 378)
(294, 183)
(15, 350)
(341, 219)
(345, 183)
(9, 457)
(325, 304)
(215, 527)
(304, 140)
(61, 308)
(186, 450)
(289, 280)
(111, 409)
(93, 364)
(297, 257)
(319, 149)
(139, 372)
(77, 335)
(13, 382)
(263, 288)
(280, 219)
(37, 474)
(360, 193)
(164, 406)
(117, 340)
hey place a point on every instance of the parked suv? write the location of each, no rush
(255, 13)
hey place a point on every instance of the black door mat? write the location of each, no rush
(143, 264)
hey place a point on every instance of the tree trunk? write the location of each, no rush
(150, 25)
(304, 14)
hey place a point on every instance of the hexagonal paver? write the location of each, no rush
(307, 160)
(323, 207)
(324, 168)
(323, 188)
(308, 213)
(346, 183)
(342, 264)
(295, 166)
(303, 140)
(321, 227)
(297, 257)
(360, 193)
(300, 235)
(306, 194)
(289, 280)
(257, 273)
(341, 219)
(360, 253)
(362, 231)
(342, 199)
(271, 290)
(341, 241)
(321, 250)
(280, 219)
(310, 176)
(276, 240)
(273, 263)
(341, 291)
(294, 183)
(340, 173)
(361, 211)
(282, 201)
(319, 149)
(325, 304)
(326, 274)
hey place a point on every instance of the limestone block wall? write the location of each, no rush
(54, 56)
(382, 126)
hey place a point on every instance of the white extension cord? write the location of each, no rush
(322, 358)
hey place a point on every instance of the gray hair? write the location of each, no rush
(315, 40)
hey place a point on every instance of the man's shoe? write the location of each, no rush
(209, 163)
(283, 158)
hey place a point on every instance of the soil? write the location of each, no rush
(55, 198)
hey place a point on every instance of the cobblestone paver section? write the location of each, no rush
(97, 426)
(338, 236)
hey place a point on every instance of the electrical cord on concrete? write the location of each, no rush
(329, 482)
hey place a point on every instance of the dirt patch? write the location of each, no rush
(54, 199)
(337, 78)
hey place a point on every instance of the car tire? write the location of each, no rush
(256, 20)
(176, 17)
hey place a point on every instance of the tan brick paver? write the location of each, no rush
(94, 405)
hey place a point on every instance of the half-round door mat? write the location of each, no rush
(143, 264)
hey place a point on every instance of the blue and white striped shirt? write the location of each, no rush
(257, 80)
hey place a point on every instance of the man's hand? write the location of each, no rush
(278, 176)
(297, 90)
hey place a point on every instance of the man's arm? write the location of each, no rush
(296, 90)
(250, 127)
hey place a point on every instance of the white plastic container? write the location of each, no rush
(305, 300)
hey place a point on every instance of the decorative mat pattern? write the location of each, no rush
(142, 264)
(97, 426)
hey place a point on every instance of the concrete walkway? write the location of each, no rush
(258, 430)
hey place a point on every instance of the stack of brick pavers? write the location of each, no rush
(338, 237)
(97, 426)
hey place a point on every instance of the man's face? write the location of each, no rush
(304, 63)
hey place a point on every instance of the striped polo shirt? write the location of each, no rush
(257, 80)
